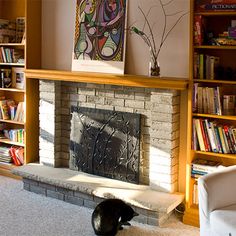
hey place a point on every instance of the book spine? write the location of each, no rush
(199, 135)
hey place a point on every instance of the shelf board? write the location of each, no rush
(7, 141)
(214, 81)
(12, 44)
(216, 13)
(12, 122)
(215, 116)
(13, 90)
(112, 79)
(215, 155)
(12, 64)
(6, 170)
(7, 166)
(215, 47)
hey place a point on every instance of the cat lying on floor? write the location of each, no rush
(109, 216)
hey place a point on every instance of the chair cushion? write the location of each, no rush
(223, 221)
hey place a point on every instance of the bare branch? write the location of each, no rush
(150, 29)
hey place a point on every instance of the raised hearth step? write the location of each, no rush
(139, 196)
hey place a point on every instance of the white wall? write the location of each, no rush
(58, 33)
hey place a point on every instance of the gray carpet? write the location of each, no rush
(23, 213)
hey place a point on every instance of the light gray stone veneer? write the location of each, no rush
(160, 111)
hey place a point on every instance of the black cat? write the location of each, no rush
(109, 216)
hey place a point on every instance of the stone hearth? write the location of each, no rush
(82, 189)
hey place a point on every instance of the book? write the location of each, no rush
(210, 134)
(18, 77)
(215, 5)
(200, 99)
(199, 134)
(198, 30)
(222, 140)
(204, 165)
(201, 66)
(229, 102)
(15, 158)
(19, 110)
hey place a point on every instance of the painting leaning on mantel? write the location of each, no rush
(58, 21)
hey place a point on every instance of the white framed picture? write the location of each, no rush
(18, 77)
(100, 36)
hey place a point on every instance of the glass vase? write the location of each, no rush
(154, 68)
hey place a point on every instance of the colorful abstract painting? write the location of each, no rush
(99, 43)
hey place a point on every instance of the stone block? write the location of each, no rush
(30, 182)
(124, 94)
(90, 204)
(134, 104)
(47, 186)
(53, 194)
(87, 91)
(74, 200)
(37, 189)
(141, 219)
(95, 99)
(65, 191)
(115, 102)
(124, 109)
(104, 107)
(83, 196)
(142, 96)
(26, 186)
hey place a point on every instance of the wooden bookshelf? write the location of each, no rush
(215, 22)
(10, 10)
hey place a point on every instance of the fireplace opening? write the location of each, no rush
(105, 143)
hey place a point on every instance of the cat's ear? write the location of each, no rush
(135, 214)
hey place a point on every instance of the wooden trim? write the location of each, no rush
(100, 78)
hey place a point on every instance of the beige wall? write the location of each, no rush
(58, 31)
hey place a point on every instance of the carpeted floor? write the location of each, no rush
(23, 213)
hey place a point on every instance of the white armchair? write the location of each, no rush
(217, 203)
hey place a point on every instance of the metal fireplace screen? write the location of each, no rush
(105, 143)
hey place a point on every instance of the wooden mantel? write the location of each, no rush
(102, 78)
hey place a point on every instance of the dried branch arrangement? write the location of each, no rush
(147, 34)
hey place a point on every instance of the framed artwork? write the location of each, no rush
(18, 77)
(99, 41)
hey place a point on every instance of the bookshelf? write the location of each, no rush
(211, 94)
(20, 42)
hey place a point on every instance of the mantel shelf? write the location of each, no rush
(102, 78)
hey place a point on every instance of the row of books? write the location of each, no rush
(11, 55)
(9, 110)
(200, 167)
(15, 135)
(219, 5)
(205, 66)
(12, 31)
(5, 154)
(7, 31)
(12, 154)
(207, 99)
(12, 78)
(208, 136)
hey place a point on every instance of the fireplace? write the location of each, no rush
(159, 110)
(105, 143)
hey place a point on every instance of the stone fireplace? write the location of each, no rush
(159, 137)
